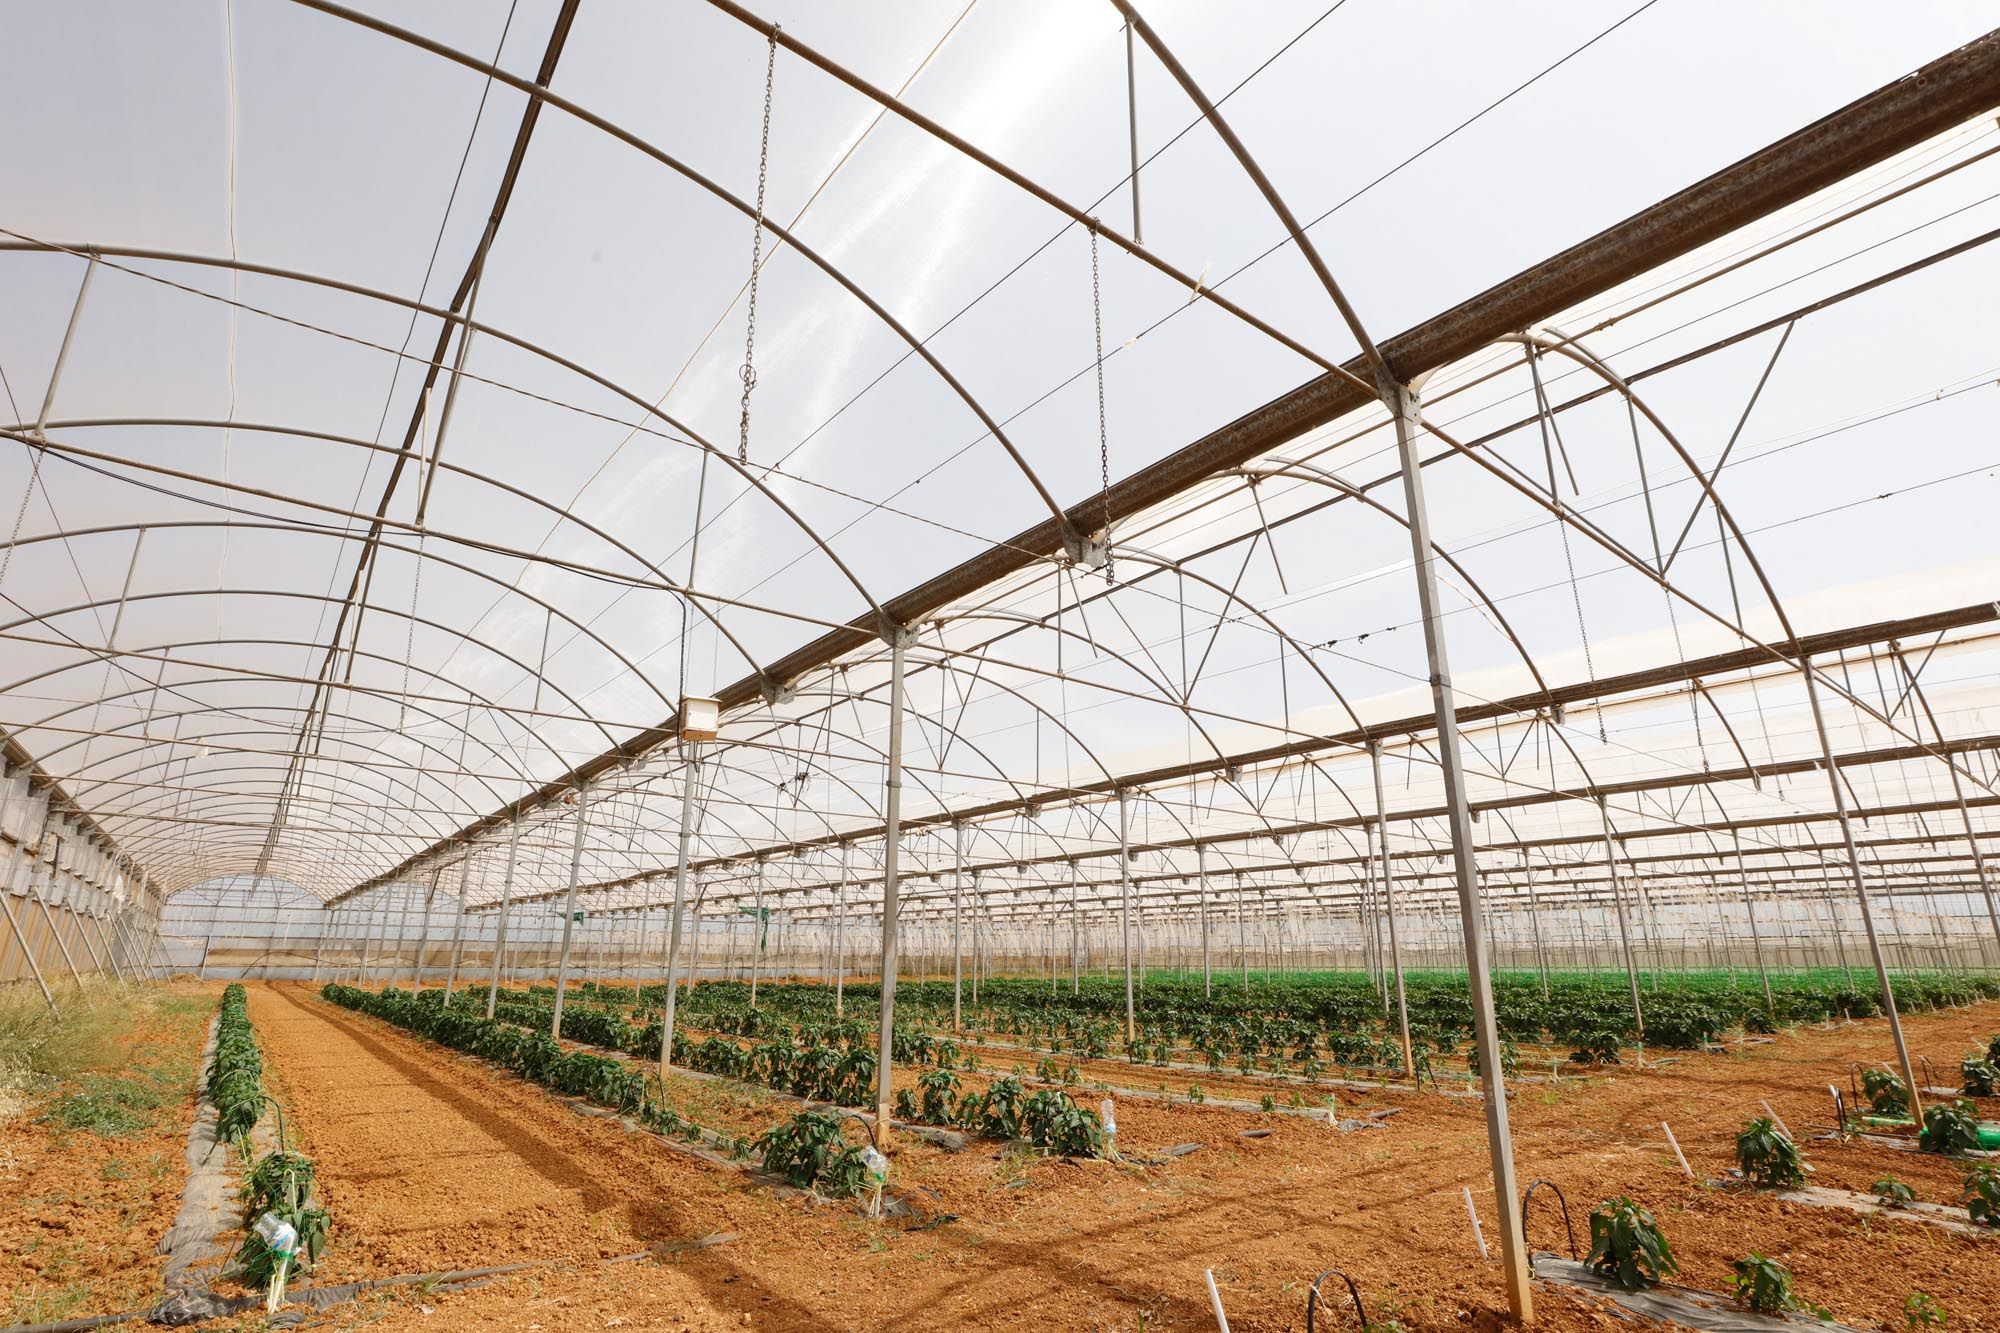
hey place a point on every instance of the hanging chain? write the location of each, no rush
(21, 514)
(410, 634)
(1103, 435)
(756, 256)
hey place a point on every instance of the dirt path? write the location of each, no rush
(428, 1163)
(431, 1160)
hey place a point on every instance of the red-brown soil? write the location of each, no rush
(430, 1160)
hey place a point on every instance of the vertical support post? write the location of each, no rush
(1838, 786)
(1389, 907)
(1535, 921)
(1201, 879)
(892, 833)
(840, 938)
(690, 779)
(1242, 937)
(1618, 905)
(569, 903)
(500, 928)
(637, 965)
(330, 925)
(1075, 936)
(423, 936)
(1125, 907)
(1403, 407)
(1750, 910)
(379, 939)
(1052, 952)
(757, 933)
(957, 911)
(458, 925)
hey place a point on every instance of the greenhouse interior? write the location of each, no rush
(1000, 665)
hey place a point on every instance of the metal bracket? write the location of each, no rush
(1089, 551)
(775, 692)
(896, 636)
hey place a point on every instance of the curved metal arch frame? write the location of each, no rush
(211, 738)
(543, 95)
(284, 594)
(299, 643)
(1807, 666)
(97, 250)
(889, 102)
(1575, 351)
(387, 771)
(98, 655)
(667, 584)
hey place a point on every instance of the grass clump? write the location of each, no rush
(112, 1105)
(38, 1049)
(80, 1067)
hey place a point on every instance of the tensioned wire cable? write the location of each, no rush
(637, 429)
(1179, 309)
(1283, 243)
(885, 505)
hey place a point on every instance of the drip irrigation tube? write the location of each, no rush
(1529, 1197)
(1354, 1292)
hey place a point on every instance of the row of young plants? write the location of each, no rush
(1979, 1072)
(1949, 1126)
(1310, 1025)
(1628, 1246)
(785, 1061)
(622, 1018)
(806, 1150)
(843, 1075)
(534, 1055)
(279, 1184)
(809, 1151)
(236, 1075)
(1768, 1157)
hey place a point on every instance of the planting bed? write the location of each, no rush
(433, 1160)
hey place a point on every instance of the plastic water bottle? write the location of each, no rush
(281, 1239)
(877, 1164)
(278, 1235)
